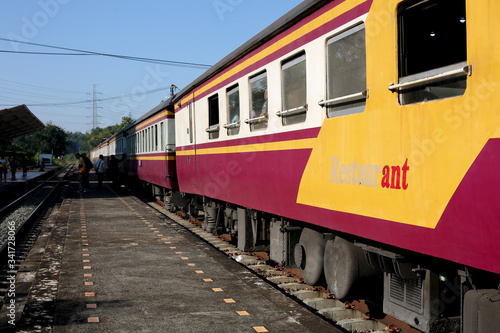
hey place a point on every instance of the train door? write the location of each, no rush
(167, 141)
(192, 159)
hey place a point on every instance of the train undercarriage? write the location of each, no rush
(429, 294)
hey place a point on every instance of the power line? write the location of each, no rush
(47, 53)
(150, 60)
(88, 100)
(11, 83)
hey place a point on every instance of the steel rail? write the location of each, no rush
(24, 227)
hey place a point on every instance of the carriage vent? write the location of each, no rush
(411, 300)
(407, 293)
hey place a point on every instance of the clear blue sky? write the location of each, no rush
(194, 31)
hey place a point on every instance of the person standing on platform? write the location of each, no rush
(113, 170)
(81, 170)
(100, 170)
(42, 165)
(13, 167)
(4, 165)
(24, 164)
(86, 173)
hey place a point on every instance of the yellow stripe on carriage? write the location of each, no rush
(155, 118)
(251, 148)
(152, 158)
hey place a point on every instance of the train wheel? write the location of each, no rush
(344, 265)
(309, 255)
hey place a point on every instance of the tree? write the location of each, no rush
(126, 121)
(79, 142)
(52, 140)
(76, 142)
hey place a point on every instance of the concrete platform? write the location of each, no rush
(107, 262)
(11, 187)
(30, 175)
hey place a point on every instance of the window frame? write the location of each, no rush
(420, 86)
(348, 99)
(260, 121)
(296, 114)
(213, 129)
(233, 127)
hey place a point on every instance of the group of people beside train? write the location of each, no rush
(101, 168)
(11, 164)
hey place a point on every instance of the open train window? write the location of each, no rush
(432, 50)
(213, 117)
(293, 90)
(258, 102)
(346, 73)
(233, 111)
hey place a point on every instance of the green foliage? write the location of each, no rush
(76, 142)
(79, 142)
(54, 140)
(51, 140)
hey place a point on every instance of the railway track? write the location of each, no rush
(20, 225)
(352, 316)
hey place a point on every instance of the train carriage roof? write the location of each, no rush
(283, 23)
(162, 106)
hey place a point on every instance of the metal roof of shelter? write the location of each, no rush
(18, 121)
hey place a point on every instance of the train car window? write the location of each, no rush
(148, 140)
(151, 139)
(346, 73)
(157, 148)
(213, 117)
(258, 102)
(293, 85)
(432, 50)
(233, 111)
(152, 130)
(143, 141)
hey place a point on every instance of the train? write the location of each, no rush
(356, 140)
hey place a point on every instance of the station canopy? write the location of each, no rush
(18, 121)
